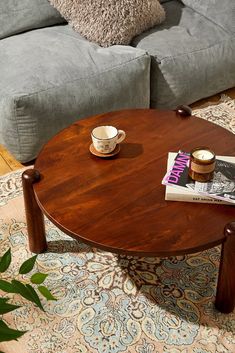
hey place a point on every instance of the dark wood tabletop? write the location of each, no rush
(118, 204)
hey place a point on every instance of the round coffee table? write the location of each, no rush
(118, 204)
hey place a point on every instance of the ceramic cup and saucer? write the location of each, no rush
(106, 140)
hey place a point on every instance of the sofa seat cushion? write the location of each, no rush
(110, 22)
(51, 77)
(17, 16)
(192, 57)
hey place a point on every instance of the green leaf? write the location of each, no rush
(6, 308)
(34, 296)
(46, 293)
(38, 278)
(20, 289)
(5, 261)
(27, 266)
(3, 300)
(8, 334)
(27, 292)
(6, 286)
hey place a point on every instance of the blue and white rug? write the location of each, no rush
(109, 303)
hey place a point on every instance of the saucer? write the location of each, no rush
(104, 155)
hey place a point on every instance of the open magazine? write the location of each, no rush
(221, 187)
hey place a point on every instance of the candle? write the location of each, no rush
(202, 164)
(203, 154)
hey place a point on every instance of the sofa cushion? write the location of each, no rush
(110, 22)
(220, 12)
(21, 15)
(52, 77)
(192, 57)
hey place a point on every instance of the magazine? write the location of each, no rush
(220, 188)
(178, 193)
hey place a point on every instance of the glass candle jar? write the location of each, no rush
(202, 164)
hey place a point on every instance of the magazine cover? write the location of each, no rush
(185, 194)
(178, 173)
(221, 187)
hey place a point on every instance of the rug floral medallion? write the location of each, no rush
(108, 303)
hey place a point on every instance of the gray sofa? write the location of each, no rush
(51, 76)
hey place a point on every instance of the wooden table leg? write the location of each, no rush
(34, 215)
(225, 296)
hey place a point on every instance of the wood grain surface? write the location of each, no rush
(118, 204)
(7, 162)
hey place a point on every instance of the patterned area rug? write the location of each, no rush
(111, 303)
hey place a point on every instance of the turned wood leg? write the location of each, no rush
(34, 215)
(225, 296)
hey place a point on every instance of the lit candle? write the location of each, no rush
(203, 154)
(202, 164)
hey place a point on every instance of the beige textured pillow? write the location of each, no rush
(109, 22)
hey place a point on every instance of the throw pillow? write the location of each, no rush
(109, 22)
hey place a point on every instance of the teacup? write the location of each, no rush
(105, 138)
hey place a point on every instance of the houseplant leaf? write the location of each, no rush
(46, 293)
(34, 295)
(20, 288)
(27, 292)
(3, 300)
(38, 278)
(8, 334)
(6, 286)
(27, 266)
(5, 261)
(6, 307)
